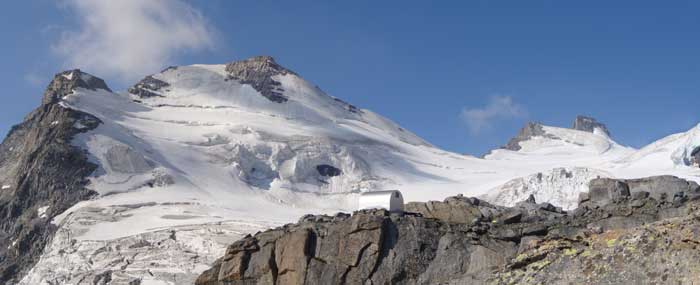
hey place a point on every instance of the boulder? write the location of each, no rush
(606, 190)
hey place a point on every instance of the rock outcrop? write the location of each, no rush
(533, 129)
(148, 87)
(588, 124)
(695, 157)
(530, 130)
(258, 72)
(468, 241)
(42, 174)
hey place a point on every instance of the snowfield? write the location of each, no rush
(183, 174)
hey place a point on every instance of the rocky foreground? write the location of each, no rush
(643, 231)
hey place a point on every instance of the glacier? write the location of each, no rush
(203, 155)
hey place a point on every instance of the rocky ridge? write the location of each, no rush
(588, 124)
(531, 129)
(534, 129)
(259, 72)
(42, 174)
(466, 240)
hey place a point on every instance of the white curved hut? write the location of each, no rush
(390, 200)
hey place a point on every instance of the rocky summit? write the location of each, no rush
(624, 232)
(588, 124)
(42, 173)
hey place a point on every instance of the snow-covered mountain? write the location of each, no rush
(193, 156)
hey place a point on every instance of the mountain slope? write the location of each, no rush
(42, 174)
(194, 156)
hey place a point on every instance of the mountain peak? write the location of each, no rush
(65, 82)
(589, 124)
(531, 129)
(258, 72)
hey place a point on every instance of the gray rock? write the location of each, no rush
(695, 156)
(65, 82)
(46, 170)
(258, 72)
(512, 217)
(530, 130)
(638, 195)
(148, 87)
(588, 124)
(459, 240)
(606, 190)
(658, 186)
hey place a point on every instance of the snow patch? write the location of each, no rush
(41, 211)
(68, 76)
(5, 187)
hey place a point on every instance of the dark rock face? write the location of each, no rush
(328, 170)
(458, 241)
(695, 156)
(528, 131)
(606, 190)
(40, 168)
(148, 87)
(64, 83)
(588, 124)
(258, 72)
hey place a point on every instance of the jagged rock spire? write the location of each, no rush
(65, 82)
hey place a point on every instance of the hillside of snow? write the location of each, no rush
(231, 149)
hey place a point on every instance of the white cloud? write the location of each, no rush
(128, 39)
(498, 108)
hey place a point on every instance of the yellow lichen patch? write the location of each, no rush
(570, 251)
(586, 253)
(611, 242)
(540, 264)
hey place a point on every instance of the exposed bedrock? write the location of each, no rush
(258, 72)
(588, 124)
(148, 87)
(42, 174)
(695, 157)
(468, 241)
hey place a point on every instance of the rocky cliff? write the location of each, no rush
(615, 236)
(42, 174)
(588, 124)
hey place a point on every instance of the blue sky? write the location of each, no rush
(465, 75)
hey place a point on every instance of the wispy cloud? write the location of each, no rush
(498, 108)
(130, 38)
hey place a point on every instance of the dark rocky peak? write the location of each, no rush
(531, 129)
(258, 72)
(588, 124)
(65, 82)
(39, 167)
(148, 87)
